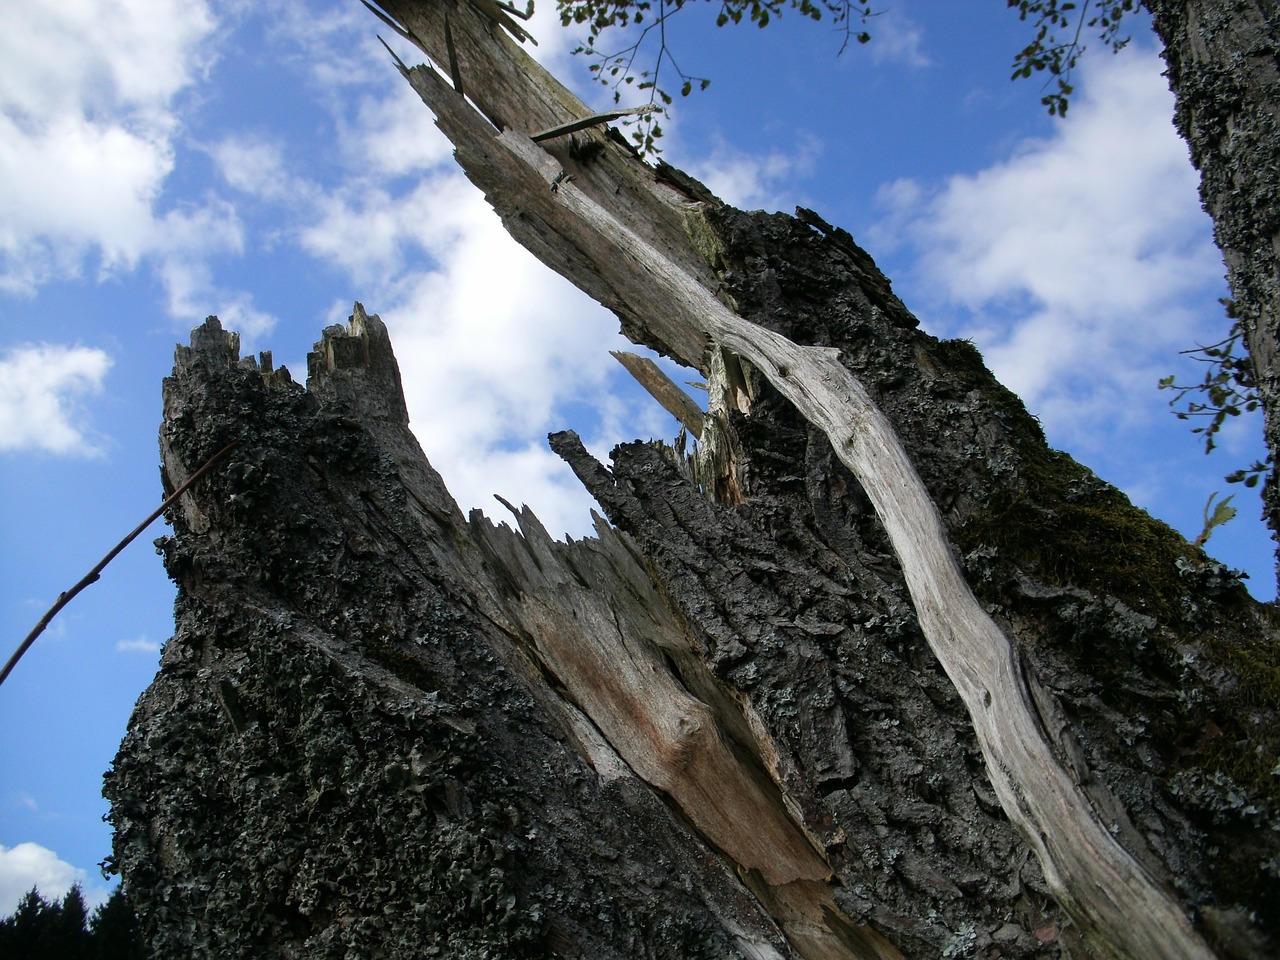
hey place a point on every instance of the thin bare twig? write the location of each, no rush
(66, 596)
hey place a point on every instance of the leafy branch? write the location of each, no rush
(1227, 390)
(1048, 54)
(616, 69)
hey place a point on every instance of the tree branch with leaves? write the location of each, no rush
(616, 69)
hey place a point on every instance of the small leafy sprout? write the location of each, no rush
(1215, 515)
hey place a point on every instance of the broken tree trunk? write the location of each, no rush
(874, 673)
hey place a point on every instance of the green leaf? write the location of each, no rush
(1215, 515)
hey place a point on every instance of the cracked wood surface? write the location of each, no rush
(629, 241)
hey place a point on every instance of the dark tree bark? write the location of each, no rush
(1223, 60)
(872, 673)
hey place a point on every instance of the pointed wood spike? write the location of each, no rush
(404, 71)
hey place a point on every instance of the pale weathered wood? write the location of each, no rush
(610, 658)
(513, 92)
(654, 276)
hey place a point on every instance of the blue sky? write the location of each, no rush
(161, 160)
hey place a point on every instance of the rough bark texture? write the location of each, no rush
(1223, 60)
(364, 738)
(740, 721)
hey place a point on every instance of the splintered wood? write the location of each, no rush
(638, 246)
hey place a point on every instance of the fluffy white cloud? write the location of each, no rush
(86, 128)
(187, 240)
(194, 294)
(87, 55)
(253, 164)
(137, 645)
(895, 38)
(394, 133)
(30, 865)
(71, 186)
(496, 351)
(1080, 265)
(754, 181)
(40, 392)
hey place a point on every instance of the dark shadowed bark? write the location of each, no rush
(873, 672)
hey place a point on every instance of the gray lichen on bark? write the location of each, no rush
(356, 737)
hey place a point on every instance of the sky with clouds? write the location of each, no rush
(161, 160)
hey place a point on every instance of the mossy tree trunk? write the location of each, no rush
(873, 673)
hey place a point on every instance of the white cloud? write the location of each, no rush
(89, 124)
(194, 294)
(87, 56)
(137, 645)
(395, 134)
(1082, 263)
(895, 38)
(494, 350)
(86, 129)
(186, 242)
(373, 233)
(70, 187)
(754, 181)
(253, 164)
(41, 388)
(30, 865)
